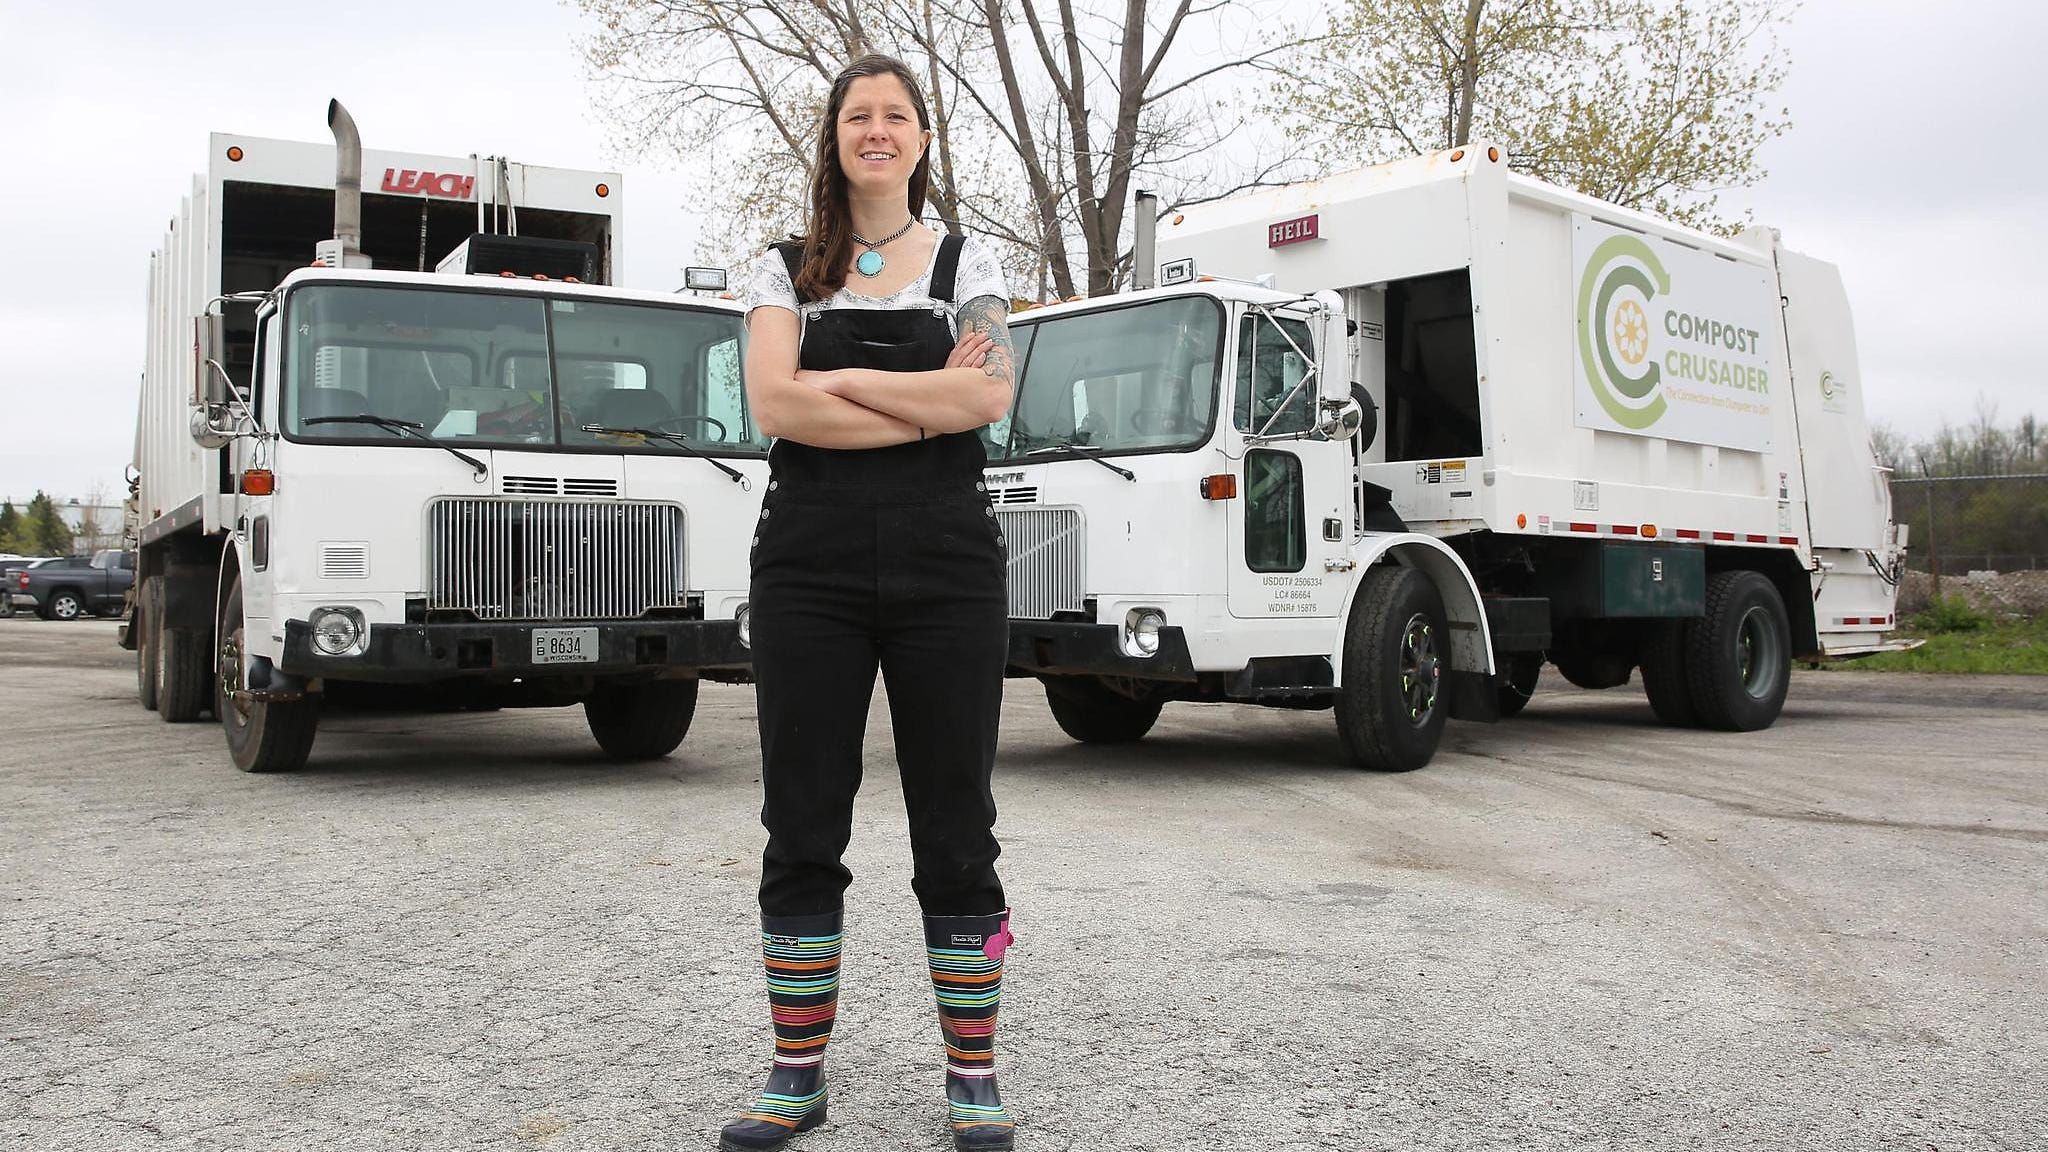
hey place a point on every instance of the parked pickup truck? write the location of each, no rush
(8, 567)
(77, 586)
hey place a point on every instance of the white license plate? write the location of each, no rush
(565, 645)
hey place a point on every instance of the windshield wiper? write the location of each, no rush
(410, 428)
(1085, 452)
(734, 474)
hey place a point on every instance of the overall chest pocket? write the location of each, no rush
(888, 340)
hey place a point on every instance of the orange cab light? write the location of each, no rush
(258, 482)
(1457, 155)
(603, 190)
(1493, 154)
(1180, 218)
(509, 274)
(235, 153)
(540, 275)
(1222, 486)
(571, 280)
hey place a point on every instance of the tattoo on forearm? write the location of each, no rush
(988, 316)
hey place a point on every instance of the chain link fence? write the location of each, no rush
(1983, 538)
(1963, 524)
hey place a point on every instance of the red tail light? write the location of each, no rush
(21, 580)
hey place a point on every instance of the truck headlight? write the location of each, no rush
(1141, 631)
(745, 618)
(339, 631)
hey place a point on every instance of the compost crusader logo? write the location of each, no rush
(1614, 336)
(1671, 341)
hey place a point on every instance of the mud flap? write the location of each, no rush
(1471, 696)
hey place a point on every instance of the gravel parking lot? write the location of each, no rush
(1576, 930)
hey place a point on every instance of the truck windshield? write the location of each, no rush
(491, 368)
(1136, 379)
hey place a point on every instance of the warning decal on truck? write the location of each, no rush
(1672, 341)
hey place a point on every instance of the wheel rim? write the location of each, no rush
(232, 710)
(1420, 669)
(1759, 653)
(64, 608)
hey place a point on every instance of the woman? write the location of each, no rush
(876, 351)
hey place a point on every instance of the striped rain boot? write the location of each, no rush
(802, 957)
(966, 958)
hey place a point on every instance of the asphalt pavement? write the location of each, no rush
(1574, 930)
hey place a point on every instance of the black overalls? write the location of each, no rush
(886, 557)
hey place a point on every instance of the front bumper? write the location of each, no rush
(1060, 648)
(420, 653)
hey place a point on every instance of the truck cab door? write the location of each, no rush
(252, 513)
(1290, 521)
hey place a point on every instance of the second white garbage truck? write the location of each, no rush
(1387, 442)
(412, 439)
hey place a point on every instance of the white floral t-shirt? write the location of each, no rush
(980, 274)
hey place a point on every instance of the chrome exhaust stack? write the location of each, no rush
(346, 249)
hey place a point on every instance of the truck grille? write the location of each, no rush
(1048, 569)
(512, 559)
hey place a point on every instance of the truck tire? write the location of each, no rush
(184, 675)
(266, 735)
(1391, 707)
(641, 721)
(1665, 678)
(1094, 713)
(1739, 654)
(148, 614)
(1518, 682)
(65, 604)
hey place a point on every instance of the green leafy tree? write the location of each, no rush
(51, 536)
(1653, 104)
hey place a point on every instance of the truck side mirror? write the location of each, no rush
(209, 338)
(206, 428)
(1333, 345)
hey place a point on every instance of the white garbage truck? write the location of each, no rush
(1386, 442)
(411, 438)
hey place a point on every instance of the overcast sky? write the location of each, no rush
(1912, 164)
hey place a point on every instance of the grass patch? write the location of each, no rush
(1989, 646)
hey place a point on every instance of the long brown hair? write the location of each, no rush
(828, 236)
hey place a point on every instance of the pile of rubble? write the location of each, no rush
(2004, 594)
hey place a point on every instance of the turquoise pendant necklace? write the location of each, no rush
(871, 263)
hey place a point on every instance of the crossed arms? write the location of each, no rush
(869, 408)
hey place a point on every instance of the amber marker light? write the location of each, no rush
(603, 190)
(1649, 531)
(258, 482)
(235, 153)
(1521, 519)
(1457, 155)
(1493, 154)
(1179, 218)
(1222, 486)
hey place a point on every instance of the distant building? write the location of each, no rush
(93, 526)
